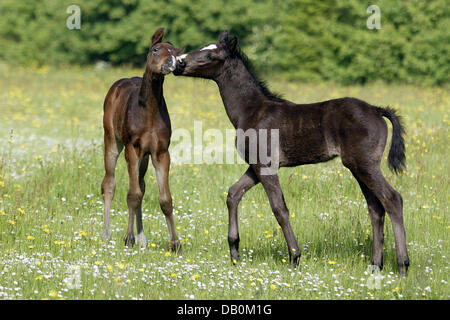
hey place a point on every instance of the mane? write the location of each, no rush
(261, 84)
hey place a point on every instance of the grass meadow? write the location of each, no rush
(51, 210)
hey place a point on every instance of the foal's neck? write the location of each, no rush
(240, 93)
(151, 91)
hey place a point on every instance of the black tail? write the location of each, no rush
(396, 157)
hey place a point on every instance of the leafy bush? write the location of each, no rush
(302, 39)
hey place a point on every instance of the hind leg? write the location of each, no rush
(376, 213)
(393, 203)
(112, 152)
(161, 162)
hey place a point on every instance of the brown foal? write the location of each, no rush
(136, 117)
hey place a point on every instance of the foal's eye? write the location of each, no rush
(155, 49)
(210, 57)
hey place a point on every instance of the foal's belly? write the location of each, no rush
(297, 157)
(306, 146)
(298, 161)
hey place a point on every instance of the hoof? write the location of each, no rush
(106, 235)
(403, 267)
(129, 240)
(294, 257)
(296, 263)
(377, 265)
(141, 239)
(176, 247)
(235, 258)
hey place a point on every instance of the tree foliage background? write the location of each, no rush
(301, 39)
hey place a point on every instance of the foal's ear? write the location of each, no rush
(157, 36)
(223, 38)
(232, 44)
(179, 51)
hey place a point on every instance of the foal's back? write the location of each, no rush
(317, 132)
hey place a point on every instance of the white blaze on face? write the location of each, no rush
(174, 63)
(210, 47)
(181, 58)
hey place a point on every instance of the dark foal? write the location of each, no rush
(136, 117)
(308, 133)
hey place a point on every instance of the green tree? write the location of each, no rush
(302, 39)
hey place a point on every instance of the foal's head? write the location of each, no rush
(207, 62)
(161, 57)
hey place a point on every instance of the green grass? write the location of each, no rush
(51, 211)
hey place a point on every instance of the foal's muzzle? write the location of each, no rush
(169, 65)
(180, 68)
